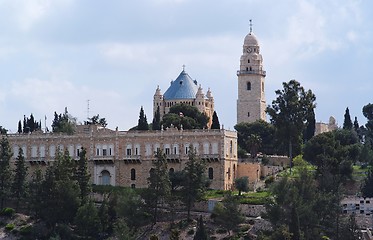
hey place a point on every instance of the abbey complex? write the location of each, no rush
(125, 158)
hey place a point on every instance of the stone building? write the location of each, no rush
(321, 127)
(187, 91)
(125, 158)
(251, 103)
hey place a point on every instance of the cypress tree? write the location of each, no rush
(82, 176)
(215, 121)
(157, 120)
(19, 127)
(310, 127)
(347, 123)
(201, 233)
(142, 123)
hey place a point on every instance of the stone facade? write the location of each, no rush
(321, 127)
(251, 103)
(124, 158)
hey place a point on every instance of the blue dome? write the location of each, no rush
(184, 87)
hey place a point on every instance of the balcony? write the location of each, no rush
(37, 161)
(210, 157)
(258, 72)
(132, 159)
(103, 159)
(173, 158)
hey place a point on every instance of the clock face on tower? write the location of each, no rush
(249, 50)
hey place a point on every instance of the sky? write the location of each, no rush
(62, 53)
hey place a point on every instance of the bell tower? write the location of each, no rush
(251, 102)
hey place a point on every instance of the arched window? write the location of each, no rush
(133, 174)
(133, 185)
(248, 114)
(262, 86)
(251, 69)
(105, 177)
(211, 173)
(248, 86)
(247, 69)
(234, 171)
(231, 147)
(171, 171)
(248, 60)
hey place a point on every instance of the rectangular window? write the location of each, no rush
(186, 150)
(167, 151)
(129, 152)
(110, 152)
(78, 152)
(175, 150)
(104, 152)
(136, 151)
(98, 152)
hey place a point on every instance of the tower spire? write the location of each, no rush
(251, 25)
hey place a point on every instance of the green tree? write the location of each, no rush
(215, 121)
(130, 207)
(3, 131)
(195, 182)
(122, 231)
(241, 184)
(156, 125)
(19, 127)
(254, 141)
(96, 120)
(19, 186)
(333, 152)
(59, 188)
(289, 113)
(5, 172)
(310, 126)
(368, 113)
(349, 229)
(64, 123)
(227, 214)
(83, 176)
(201, 233)
(187, 116)
(347, 123)
(87, 221)
(159, 187)
(367, 187)
(264, 130)
(37, 193)
(142, 123)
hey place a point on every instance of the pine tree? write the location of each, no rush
(195, 183)
(215, 121)
(159, 183)
(356, 125)
(19, 186)
(87, 221)
(82, 176)
(36, 193)
(347, 123)
(25, 129)
(5, 172)
(142, 123)
(157, 120)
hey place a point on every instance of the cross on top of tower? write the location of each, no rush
(251, 25)
(183, 67)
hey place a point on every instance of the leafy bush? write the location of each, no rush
(25, 230)
(221, 231)
(191, 232)
(9, 227)
(7, 212)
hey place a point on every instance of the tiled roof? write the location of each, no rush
(184, 87)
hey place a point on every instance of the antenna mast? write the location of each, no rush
(88, 109)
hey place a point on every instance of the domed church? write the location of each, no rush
(187, 91)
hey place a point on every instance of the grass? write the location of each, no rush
(359, 173)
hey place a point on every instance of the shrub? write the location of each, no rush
(25, 230)
(9, 227)
(7, 212)
(191, 232)
(221, 231)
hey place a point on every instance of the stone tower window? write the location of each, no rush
(248, 86)
(133, 174)
(262, 86)
(248, 114)
(248, 60)
(211, 173)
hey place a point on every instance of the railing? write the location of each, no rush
(259, 72)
